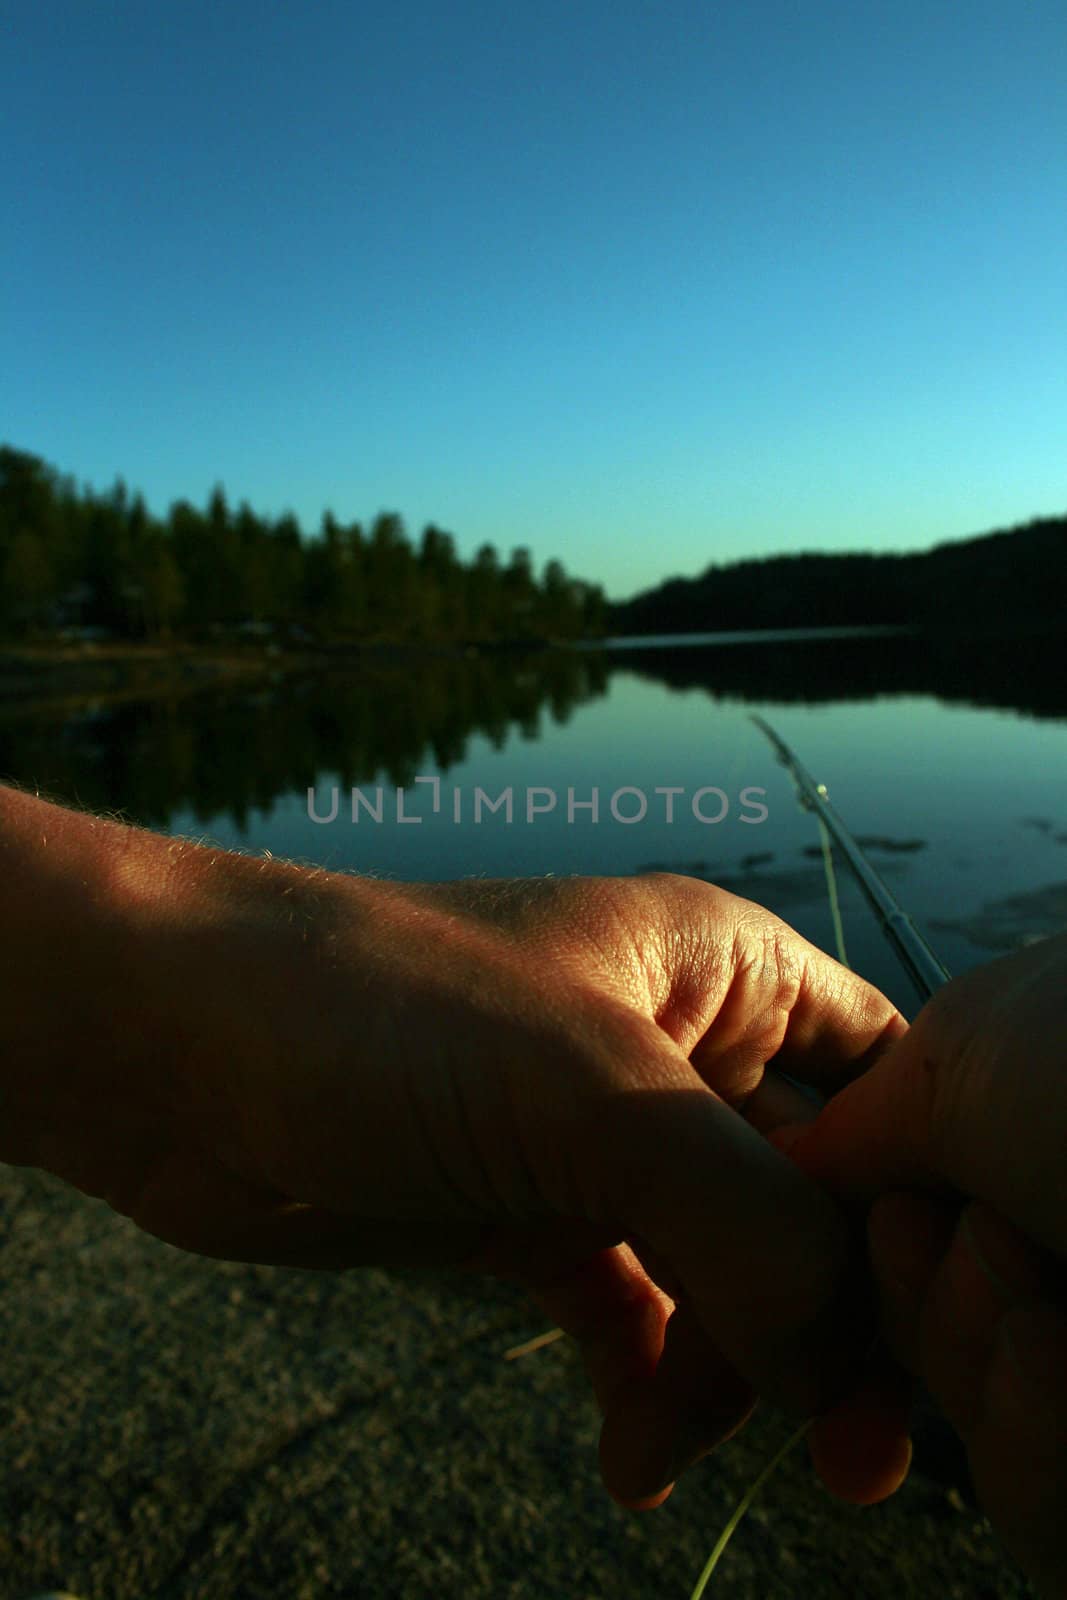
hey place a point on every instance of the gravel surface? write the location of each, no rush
(184, 1429)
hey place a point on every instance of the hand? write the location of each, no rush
(541, 1079)
(964, 1123)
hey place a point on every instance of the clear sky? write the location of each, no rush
(643, 286)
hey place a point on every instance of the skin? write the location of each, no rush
(955, 1147)
(562, 1082)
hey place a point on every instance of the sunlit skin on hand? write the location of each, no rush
(564, 1082)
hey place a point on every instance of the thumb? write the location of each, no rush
(765, 1259)
(882, 1130)
(972, 1100)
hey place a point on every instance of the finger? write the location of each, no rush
(874, 1135)
(1018, 1446)
(663, 1422)
(988, 1267)
(653, 1372)
(765, 1259)
(777, 1103)
(955, 1285)
(614, 1311)
(839, 1026)
(861, 1448)
(789, 1002)
(935, 1110)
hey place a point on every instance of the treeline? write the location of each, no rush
(1016, 575)
(75, 558)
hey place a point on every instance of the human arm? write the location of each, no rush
(543, 1079)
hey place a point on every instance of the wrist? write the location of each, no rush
(247, 971)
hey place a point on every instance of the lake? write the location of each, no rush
(946, 757)
(197, 1427)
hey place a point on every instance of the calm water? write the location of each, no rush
(948, 761)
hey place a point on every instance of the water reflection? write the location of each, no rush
(222, 752)
(1016, 672)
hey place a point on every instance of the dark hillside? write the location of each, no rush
(1016, 575)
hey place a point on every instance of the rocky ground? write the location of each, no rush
(180, 1429)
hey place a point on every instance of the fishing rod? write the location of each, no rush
(926, 971)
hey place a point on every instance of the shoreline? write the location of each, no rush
(59, 676)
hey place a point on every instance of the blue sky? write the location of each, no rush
(639, 286)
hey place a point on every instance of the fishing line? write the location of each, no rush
(831, 890)
(743, 1505)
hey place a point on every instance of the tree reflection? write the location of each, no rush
(1018, 671)
(229, 751)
